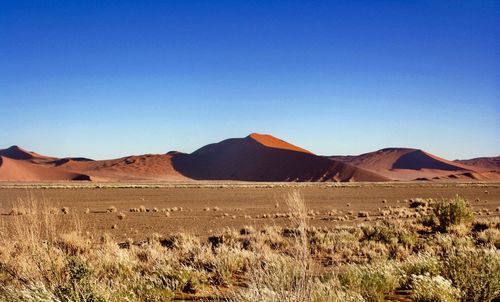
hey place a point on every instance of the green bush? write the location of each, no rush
(77, 286)
(447, 213)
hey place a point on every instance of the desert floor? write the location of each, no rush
(207, 208)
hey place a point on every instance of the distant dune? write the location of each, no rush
(414, 164)
(486, 163)
(257, 157)
(153, 167)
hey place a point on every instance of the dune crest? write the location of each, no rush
(273, 142)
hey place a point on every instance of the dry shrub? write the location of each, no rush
(121, 215)
(418, 203)
(363, 214)
(433, 289)
(475, 272)
(489, 238)
(372, 281)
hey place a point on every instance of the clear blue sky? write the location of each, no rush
(105, 79)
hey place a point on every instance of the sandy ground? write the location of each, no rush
(239, 205)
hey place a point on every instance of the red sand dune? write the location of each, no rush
(21, 165)
(486, 163)
(143, 167)
(264, 158)
(15, 152)
(406, 164)
(23, 170)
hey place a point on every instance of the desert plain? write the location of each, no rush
(206, 208)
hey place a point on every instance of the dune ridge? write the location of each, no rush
(256, 157)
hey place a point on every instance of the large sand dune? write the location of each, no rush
(265, 158)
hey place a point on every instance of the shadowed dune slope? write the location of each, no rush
(21, 170)
(264, 158)
(15, 152)
(486, 163)
(418, 159)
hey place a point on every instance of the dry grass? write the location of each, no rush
(297, 262)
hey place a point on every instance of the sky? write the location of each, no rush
(105, 79)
